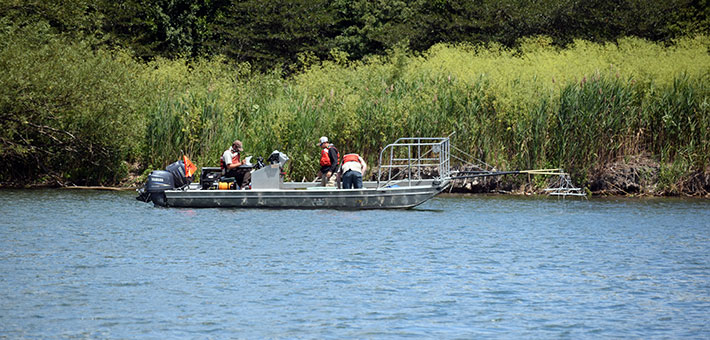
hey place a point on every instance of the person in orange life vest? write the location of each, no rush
(352, 169)
(231, 163)
(329, 158)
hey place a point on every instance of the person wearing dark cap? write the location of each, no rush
(329, 159)
(231, 163)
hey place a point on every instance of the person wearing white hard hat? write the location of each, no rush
(329, 158)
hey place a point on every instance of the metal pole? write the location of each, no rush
(419, 159)
(389, 177)
(409, 165)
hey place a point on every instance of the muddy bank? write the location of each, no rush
(641, 175)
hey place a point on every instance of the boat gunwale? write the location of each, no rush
(187, 198)
(305, 193)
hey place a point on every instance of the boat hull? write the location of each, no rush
(307, 198)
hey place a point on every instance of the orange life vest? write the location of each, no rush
(325, 157)
(235, 158)
(351, 157)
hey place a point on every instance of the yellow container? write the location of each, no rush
(224, 185)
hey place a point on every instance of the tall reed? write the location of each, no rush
(534, 107)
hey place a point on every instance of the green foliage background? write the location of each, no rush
(92, 89)
(275, 34)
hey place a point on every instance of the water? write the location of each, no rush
(84, 264)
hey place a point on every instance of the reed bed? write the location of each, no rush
(535, 106)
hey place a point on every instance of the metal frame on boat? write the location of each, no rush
(400, 184)
(407, 159)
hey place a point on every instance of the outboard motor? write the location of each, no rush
(177, 169)
(160, 180)
(154, 188)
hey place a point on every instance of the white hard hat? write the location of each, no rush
(323, 139)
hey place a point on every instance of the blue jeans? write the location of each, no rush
(352, 179)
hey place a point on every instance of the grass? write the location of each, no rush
(532, 107)
(535, 106)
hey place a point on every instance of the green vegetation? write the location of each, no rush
(92, 90)
(67, 113)
(275, 34)
(82, 115)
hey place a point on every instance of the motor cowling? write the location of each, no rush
(154, 188)
(160, 180)
(177, 169)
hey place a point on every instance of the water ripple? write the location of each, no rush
(102, 265)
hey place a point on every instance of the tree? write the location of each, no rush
(72, 18)
(272, 33)
(152, 28)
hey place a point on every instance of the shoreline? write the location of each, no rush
(459, 189)
(637, 176)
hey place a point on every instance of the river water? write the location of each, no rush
(90, 264)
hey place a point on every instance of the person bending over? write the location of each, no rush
(353, 168)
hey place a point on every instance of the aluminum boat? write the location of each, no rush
(400, 184)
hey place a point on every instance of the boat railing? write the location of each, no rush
(410, 159)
